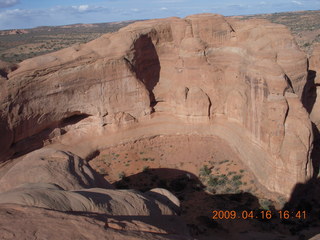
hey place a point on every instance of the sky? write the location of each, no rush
(16, 14)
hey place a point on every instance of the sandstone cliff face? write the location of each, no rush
(313, 86)
(200, 69)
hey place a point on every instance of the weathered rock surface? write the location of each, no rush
(23, 222)
(114, 214)
(313, 86)
(98, 200)
(314, 62)
(199, 69)
(52, 166)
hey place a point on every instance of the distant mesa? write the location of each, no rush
(14, 32)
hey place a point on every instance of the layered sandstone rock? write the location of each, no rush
(55, 167)
(23, 222)
(56, 188)
(203, 70)
(313, 89)
(95, 200)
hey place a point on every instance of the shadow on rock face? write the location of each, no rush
(309, 94)
(5, 139)
(315, 154)
(6, 68)
(146, 64)
(305, 200)
(36, 141)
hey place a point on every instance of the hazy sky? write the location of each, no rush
(32, 13)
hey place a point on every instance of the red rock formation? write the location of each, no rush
(23, 222)
(242, 80)
(51, 166)
(314, 81)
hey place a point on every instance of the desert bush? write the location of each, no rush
(265, 204)
(237, 183)
(231, 173)
(213, 181)
(236, 177)
(204, 171)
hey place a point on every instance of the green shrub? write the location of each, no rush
(204, 171)
(265, 204)
(231, 173)
(237, 183)
(236, 177)
(213, 181)
(306, 44)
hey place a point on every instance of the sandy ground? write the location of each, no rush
(182, 153)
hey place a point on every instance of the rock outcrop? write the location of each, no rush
(58, 190)
(97, 200)
(6, 68)
(313, 90)
(201, 70)
(55, 167)
(23, 222)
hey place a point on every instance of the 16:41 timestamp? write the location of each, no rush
(263, 214)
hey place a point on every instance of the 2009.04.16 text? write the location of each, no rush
(262, 214)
